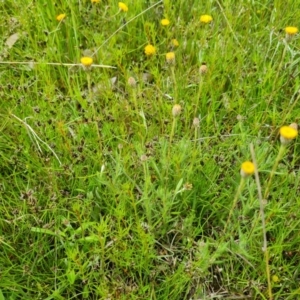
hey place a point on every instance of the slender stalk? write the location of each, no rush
(277, 160)
(236, 197)
(88, 75)
(262, 214)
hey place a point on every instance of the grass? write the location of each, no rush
(105, 194)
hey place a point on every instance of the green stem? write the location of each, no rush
(88, 75)
(173, 129)
(277, 160)
(236, 197)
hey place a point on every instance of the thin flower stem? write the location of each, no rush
(173, 129)
(262, 214)
(277, 160)
(236, 197)
(88, 75)
(175, 84)
(274, 83)
(199, 94)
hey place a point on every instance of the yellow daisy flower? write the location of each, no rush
(247, 169)
(291, 30)
(150, 50)
(170, 57)
(206, 19)
(86, 62)
(287, 134)
(60, 17)
(175, 43)
(123, 6)
(95, 1)
(165, 22)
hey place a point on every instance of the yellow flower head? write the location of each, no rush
(150, 50)
(247, 169)
(86, 62)
(60, 17)
(206, 19)
(176, 110)
(123, 6)
(290, 30)
(174, 43)
(275, 278)
(170, 57)
(287, 134)
(165, 22)
(95, 1)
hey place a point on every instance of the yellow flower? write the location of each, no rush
(86, 62)
(95, 1)
(175, 43)
(206, 19)
(170, 57)
(165, 22)
(123, 6)
(150, 50)
(290, 30)
(60, 17)
(247, 169)
(176, 110)
(275, 278)
(287, 134)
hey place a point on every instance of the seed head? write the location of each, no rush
(203, 69)
(196, 122)
(131, 82)
(176, 110)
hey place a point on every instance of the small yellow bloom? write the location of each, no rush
(287, 134)
(175, 43)
(60, 17)
(206, 19)
(86, 62)
(291, 30)
(176, 110)
(275, 278)
(165, 22)
(150, 50)
(123, 6)
(170, 57)
(247, 169)
(95, 1)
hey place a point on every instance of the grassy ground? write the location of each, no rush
(105, 194)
